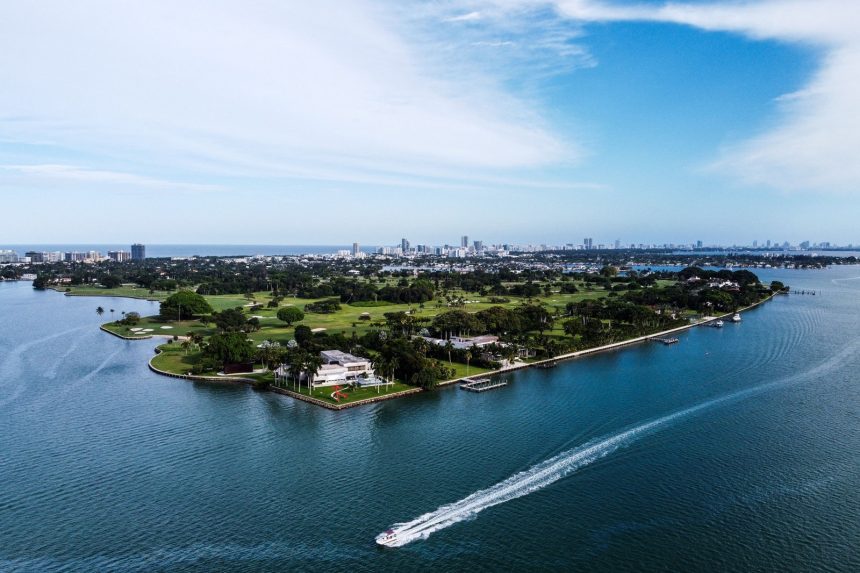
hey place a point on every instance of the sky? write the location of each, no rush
(522, 121)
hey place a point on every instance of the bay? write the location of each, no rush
(105, 466)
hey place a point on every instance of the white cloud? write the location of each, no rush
(815, 145)
(207, 88)
(468, 17)
(114, 180)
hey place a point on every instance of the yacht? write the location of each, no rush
(736, 317)
(387, 538)
(717, 323)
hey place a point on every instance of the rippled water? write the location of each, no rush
(753, 464)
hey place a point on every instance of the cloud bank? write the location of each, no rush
(315, 90)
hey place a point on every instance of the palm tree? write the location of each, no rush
(312, 363)
(297, 364)
(100, 311)
(381, 364)
(449, 346)
(468, 358)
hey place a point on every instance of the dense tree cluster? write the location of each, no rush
(184, 305)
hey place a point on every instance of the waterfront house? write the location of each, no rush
(341, 368)
(464, 342)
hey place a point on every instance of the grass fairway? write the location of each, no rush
(123, 291)
(157, 325)
(173, 359)
(347, 320)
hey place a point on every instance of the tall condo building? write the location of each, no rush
(119, 256)
(464, 241)
(138, 252)
(355, 249)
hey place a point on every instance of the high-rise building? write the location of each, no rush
(35, 256)
(464, 241)
(404, 246)
(617, 243)
(587, 243)
(74, 257)
(138, 252)
(119, 256)
(768, 243)
(755, 244)
(8, 256)
(479, 246)
(698, 244)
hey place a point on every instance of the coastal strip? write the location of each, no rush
(239, 380)
(317, 402)
(143, 337)
(608, 347)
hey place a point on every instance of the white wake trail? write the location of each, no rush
(549, 471)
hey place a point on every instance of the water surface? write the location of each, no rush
(107, 466)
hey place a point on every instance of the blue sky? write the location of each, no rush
(516, 121)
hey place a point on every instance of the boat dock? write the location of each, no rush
(481, 384)
(665, 341)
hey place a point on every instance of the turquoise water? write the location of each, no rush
(736, 450)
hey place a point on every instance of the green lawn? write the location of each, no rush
(353, 395)
(462, 371)
(173, 359)
(123, 291)
(157, 324)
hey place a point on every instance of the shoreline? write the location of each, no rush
(310, 399)
(611, 346)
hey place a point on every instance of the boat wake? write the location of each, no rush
(564, 464)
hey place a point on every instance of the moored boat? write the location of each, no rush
(736, 317)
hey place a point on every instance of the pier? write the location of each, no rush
(482, 384)
(666, 341)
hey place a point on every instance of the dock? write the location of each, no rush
(482, 384)
(665, 341)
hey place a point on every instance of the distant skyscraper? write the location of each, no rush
(8, 256)
(404, 246)
(355, 249)
(617, 243)
(768, 243)
(698, 244)
(464, 241)
(587, 243)
(479, 246)
(35, 256)
(755, 244)
(119, 256)
(138, 252)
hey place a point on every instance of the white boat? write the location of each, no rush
(387, 538)
(736, 317)
(717, 324)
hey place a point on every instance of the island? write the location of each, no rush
(343, 332)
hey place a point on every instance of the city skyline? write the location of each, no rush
(538, 118)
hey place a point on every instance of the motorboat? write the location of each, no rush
(717, 323)
(387, 538)
(736, 317)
